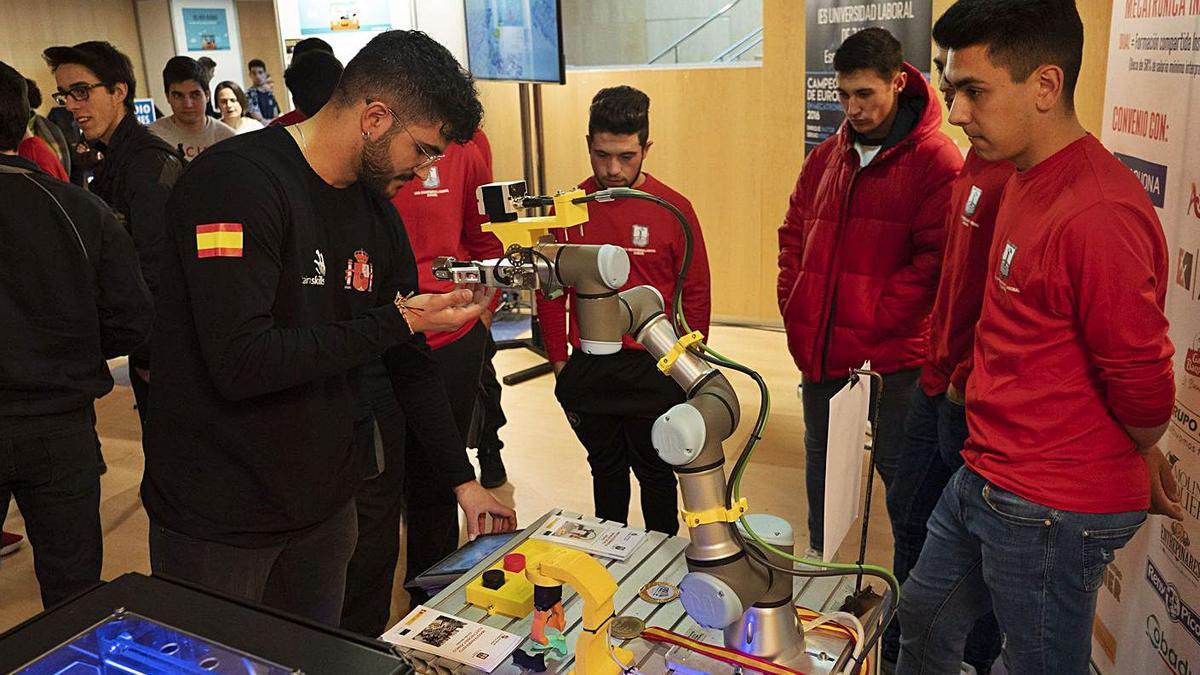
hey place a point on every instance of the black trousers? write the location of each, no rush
(304, 574)
(408, 487)
(489, 416)
(48, 464)
(612, 402)
(141, 394)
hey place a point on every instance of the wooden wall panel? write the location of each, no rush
(29, 27)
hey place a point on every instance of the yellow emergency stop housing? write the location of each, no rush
(515, 597)
(526, 232)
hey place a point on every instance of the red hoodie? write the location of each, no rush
(442, 217)
(974, 199)
(655, 243)
(1072, 343)
(860, 248)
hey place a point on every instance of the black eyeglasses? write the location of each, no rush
(80, 93)
(430, 159)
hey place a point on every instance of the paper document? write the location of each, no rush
(441, 634)
(848, 410)
(607, 540)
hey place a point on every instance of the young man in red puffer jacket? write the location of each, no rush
(861, 246)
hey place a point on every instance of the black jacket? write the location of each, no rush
(71, 293)
(135, 179)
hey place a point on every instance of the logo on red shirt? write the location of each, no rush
(641, 235)
(1006, 259)
(360, 274)
(973, 200)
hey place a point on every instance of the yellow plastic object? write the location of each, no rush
(681, 345)
(718, 514)
(594, 652)
(526, 232)
(515, 597)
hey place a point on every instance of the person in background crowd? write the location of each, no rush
(188, 128)
(1072, 382)
(231, 101)
(72, 295)
(46, 130)
(210, 70)
(936, 426)
(860, 247)
(37, 151)
(35, 148)
(83, 157)
(274, 298)
(612, 401)
(441, 218)
(261, 97)
(311, 79)
(138, 169)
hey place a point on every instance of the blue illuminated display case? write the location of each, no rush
(162, 626)
(128, 644)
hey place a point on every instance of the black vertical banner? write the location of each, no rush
(829, 22)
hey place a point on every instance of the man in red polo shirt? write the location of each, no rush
(936, 426)
(441, 218)
(1072, 382)
(612, 400)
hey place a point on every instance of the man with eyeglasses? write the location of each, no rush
(96, 84)
(189, 129)
(274, 296)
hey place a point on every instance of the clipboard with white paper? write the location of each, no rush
(848, 415)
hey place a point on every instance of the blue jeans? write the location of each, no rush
(1038, 568)
(934, 433)
(893, 406)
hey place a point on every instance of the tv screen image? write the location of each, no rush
(515, 40)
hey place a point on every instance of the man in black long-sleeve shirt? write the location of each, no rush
(138, 169)
(272, 297)
(71, 295)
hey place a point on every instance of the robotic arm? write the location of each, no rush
(725, 588)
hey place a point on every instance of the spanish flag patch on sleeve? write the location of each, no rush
(219, 240)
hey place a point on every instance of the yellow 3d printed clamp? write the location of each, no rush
(681, 345)
(527, 231)
(718, 514)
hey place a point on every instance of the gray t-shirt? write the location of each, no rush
(193, 143)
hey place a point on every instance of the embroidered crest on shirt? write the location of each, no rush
(1006, 261)
(433, 179)
(641, 235)
(1006, 258)
(973, 200)
(359, 272)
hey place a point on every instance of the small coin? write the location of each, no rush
(627, 627)
(659, 592)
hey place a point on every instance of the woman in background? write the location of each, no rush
(231, 101)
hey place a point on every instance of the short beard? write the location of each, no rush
(374, 166)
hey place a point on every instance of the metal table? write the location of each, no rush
(658, 558)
